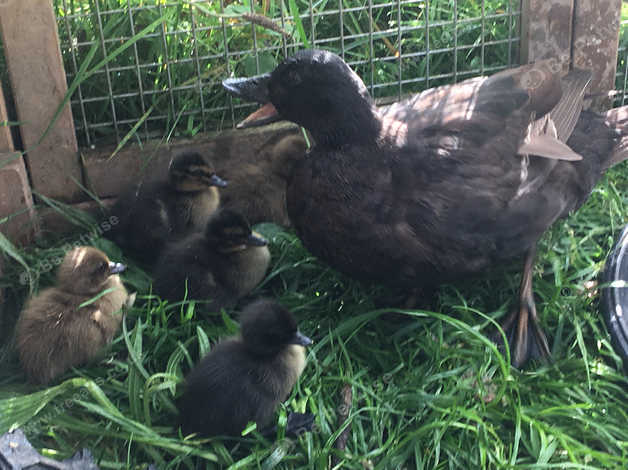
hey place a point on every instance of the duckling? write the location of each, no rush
(222, 264)
(244, 378)
(148, 215)
(443, 185)
(257, 190)
(68, 324)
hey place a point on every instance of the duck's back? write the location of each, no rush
(444, 192)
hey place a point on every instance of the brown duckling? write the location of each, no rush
(68, 324)
(257, 190)
(150, 214)
(221, 265)
(245, 378)
(443, 185)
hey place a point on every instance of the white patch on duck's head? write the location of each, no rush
(77, 257)
(97, 316)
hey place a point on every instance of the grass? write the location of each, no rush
(429, 389)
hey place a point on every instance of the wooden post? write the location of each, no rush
(577, 34)
(546, 30)
(38, 81)
(16, 200)
(595, 42)
(15, 194)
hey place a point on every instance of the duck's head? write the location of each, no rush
(267, 328)
(315, 89)
(229, 232)
(86, 270)
(191, 171)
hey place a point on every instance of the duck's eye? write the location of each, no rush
(102, 268)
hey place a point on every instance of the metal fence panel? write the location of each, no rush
(168, 81)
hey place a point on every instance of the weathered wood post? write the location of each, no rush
(15, 193)
(38, 82)
(16, 200)
(577, 34)
(595, 43)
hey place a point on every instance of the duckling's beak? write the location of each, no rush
(256, 239)
(253, 89)
(115, 268)
(300, 339)
(215, 180)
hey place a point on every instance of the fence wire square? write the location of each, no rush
(621, 77)
(153, 69)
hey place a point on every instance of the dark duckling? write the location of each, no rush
(257, 189)
(150, 214)
(58, 328)
(245, 378)
(222, 264)
(443, 185)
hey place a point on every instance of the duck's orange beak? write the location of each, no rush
(253, 89)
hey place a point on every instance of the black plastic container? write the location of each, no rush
(614, 302)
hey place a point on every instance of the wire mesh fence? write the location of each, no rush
(621, 77)
(149, 69)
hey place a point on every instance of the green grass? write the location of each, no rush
(429, 389)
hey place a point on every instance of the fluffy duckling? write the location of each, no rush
(150, 214)
(257, 189)
(244, 378)
(67, 325)
(222, 264)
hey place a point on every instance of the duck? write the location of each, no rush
(257, 190)
(245, 378)
(220, 265)
(443, 185)
(148, 215)
(68, 324)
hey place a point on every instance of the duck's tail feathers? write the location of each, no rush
(617, 119)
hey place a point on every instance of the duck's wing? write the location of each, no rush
(547, 136)
(530, 107)
(566, 113)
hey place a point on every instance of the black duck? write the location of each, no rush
(443, 185)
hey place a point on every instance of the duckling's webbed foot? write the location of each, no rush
(297, 424)
(525, 336)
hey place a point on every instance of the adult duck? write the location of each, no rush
(444, 184)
